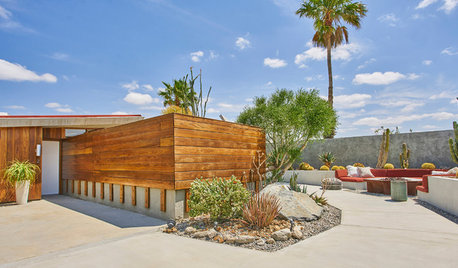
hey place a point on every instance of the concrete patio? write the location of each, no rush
(375, 232)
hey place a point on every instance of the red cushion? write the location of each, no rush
(341, 173)
(378, 172)
(351, 179)
(398, 172)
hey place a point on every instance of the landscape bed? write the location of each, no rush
(237, 233)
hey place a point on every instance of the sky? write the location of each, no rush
(400, 69)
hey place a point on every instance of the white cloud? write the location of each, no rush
(3, 113)
(268, 84)
(160, 89)
(213, 55)
(315, 77)
(449, 5)
(53, 105)
(351, 101)
(148, 87)
(430, 127)
(398, 120)
(369, 61)
(139, 98)
(119, 113)
(15, 72)
(151, 107)
(131, 86)
(15, 107)
(389, 18)
(343, 52)
(449, 51)
(427, 62)
(242, 43)
(425, 3)
(196, 56)
(249, 99)
(60, 56)
(274, 63)
(409, 105)
(5, 14)
(64, 110)
(378, 78)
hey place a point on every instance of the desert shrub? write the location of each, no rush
(358, 165)
(388, 166)
(261, 210)
(428, 166)
(222, 199)
(324, 167)
(305, 166)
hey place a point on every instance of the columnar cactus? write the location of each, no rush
(453, 143)
(384, 148)
(404, 156)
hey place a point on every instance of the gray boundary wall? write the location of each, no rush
(431, 147)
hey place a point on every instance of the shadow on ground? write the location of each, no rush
(437, 210)
(115, 216)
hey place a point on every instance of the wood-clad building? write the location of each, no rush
(148, 165)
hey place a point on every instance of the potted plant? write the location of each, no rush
(21, 175)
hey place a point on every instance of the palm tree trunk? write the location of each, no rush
(330, 88)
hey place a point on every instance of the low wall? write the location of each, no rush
(312, 177)
(442, 193)
(174, 199)
(365, 149)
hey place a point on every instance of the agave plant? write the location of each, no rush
(327, 158)
(20, 171)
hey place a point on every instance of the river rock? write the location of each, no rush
(212, 233)
(190, 230)
(270, 241)
(297, 232)
(282, 235)
(294, 205)
(245, 239)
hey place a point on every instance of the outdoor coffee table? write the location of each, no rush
(383, 185)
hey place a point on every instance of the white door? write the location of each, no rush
(50, 168)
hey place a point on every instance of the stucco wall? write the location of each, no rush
(429, 146)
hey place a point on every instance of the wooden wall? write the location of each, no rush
(19, 143)
(165, 152)
(55, 134)
(207, 148)
(135, 154)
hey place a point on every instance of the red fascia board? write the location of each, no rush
(67, 116)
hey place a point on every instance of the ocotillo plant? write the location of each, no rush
(384, 148)
(454, 143)
(404, 156)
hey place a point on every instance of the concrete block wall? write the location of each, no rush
(175, 200)
(429, 147)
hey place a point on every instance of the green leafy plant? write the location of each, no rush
(293, 183)
(327, 158)
(290, 120)
(453, 143)
(404, 156)
(19, 171)
(220, 198)
(261, 210)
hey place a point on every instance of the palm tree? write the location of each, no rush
(328, 16)
(180, 94)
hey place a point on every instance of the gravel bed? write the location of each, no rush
(331, 217)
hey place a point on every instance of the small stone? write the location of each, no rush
(297, 233)
(218, 239)
(201, 234)
(277, 228)
(211, 233)
(170, 230)
(282, 235)
(229, 239)
(190, 230)
(244, 239)
(270, 241)
(260, 242)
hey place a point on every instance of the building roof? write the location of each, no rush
(67, 121)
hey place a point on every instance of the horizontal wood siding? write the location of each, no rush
(135, 154)
(213, 148)
(19, 143)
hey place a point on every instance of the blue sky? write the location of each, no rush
(104, 57)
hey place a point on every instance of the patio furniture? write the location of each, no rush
(331, 184)
(383, 185)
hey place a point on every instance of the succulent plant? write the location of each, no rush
(305, 166)
(428, 166)
(384, 148)
(324, 167)
(404, 156)
(453, 143)
(358, 165)
(388, 166)
(327, 158)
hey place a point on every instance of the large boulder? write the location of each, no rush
(294, 205)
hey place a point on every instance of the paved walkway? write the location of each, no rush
(375, 232)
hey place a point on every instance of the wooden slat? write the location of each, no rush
(66, 186)
(73, 186)
(86, 186)
(79, 187)
(121, 194)
(102, 190)
(163, 200)
(134, 195)
(110, 191)
(147, 197)
(93, 189)
(186, 200)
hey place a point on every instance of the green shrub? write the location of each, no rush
(388, 166)
(261, 210)
(220, 198)
(428, 166)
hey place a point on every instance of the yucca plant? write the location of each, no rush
(327, 158)
(20, 171)
(261, 210)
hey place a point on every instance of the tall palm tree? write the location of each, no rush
(328, 16)
(179, 94)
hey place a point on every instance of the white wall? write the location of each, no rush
(50, 168)
(442, 193)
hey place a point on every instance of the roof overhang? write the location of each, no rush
(67, 121)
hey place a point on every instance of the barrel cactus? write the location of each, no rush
(305, 166)
(453, 143)
(388, 166)
(358, 165)
(324, 167)
(428, 166)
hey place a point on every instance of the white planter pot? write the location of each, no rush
(22, 192)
